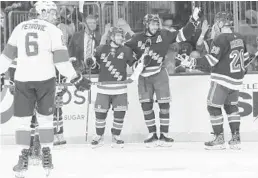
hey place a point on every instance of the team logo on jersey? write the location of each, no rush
(120, 56)
(159, 39)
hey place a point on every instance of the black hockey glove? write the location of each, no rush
(89, 62)
(81, 83)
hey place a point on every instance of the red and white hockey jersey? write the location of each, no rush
(113, 63)
(33, 44)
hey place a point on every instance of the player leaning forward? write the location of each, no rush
(154, 78)
(227, 61)
(38, 46)
(112, 59)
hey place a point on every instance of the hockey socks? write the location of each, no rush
(100, 122)
(118, 122)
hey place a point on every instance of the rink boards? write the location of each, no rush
(189, 117)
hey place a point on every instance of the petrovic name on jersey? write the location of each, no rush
(113, 63)
(226, 59)
(37, 41)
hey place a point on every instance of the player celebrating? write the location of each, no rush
(38, 46)
(112, 59)
(154, 78)
(227, 63)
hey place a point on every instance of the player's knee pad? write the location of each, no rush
(23, 133)
(119, 114)
(101, 115)
(214, 111)
(147, 106)
(46, 129)
(164, 108)
(231, 109)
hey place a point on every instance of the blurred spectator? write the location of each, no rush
(185, 49)
(82, 44)
(168, 22)
(66, 24)
(170, 61)
(18, 6)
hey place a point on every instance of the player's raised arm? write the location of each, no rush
(185, 33)
(10, 52)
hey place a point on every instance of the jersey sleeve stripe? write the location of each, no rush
(180, 36)
(10, 51)
(60, 56)
(246, 56)
(212, 60)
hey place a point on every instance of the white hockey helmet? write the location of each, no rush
(43, 8)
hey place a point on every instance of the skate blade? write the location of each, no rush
(97, 146)
(216, 147)
(235, 147)
(20, 174)
(59, 145)
(165, 144)
(115, 145)
(152, 145)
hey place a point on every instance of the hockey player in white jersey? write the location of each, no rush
(38, 46)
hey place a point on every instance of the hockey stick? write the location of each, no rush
(251, 60)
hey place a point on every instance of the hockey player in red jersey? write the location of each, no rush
(226, 61)
(112, 60)
(154, 78)
(38, 46)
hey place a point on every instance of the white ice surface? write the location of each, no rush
(183, 160)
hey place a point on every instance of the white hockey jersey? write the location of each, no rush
(33, 43)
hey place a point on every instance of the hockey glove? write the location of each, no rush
(78, 65)
(188, 62)
(81, 83)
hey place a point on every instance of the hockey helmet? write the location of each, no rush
(44, 7)
(150, 17)
(225, 17)
(114, 30)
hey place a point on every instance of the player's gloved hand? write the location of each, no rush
(188, 62)
(91, 62)
(196, 13)
(81, 83)
(78, 65)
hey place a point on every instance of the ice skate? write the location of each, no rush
(97, 141)
(165, 140)
(22, 166)
(47, 160)
(59, 140)
(235, 142)
(117, 141)
(152, 140)
(217, 144)
(36, 153)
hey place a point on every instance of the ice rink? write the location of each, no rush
(183, 160)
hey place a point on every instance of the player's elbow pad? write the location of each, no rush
(66, 69)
